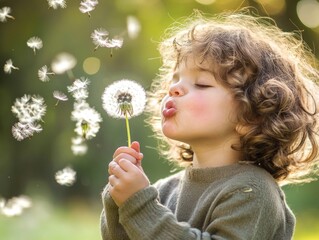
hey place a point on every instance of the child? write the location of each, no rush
(234, 104)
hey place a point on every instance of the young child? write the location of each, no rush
(235, 102)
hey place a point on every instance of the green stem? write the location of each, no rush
(128, 130)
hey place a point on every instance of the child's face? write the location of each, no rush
(198, 109)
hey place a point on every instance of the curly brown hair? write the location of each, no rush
(272, 75)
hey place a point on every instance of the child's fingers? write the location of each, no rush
(136, 146)
(113, 181)
(127, 166)
(125, 156)
(129, 151)
(116, 169)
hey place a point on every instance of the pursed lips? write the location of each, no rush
(169, 109)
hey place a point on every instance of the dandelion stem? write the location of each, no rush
(128, 130)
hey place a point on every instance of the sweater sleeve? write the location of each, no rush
(111, 229)
(143, 217)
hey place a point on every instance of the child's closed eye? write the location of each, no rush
(199, 85)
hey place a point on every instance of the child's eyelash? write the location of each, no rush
(202, 85)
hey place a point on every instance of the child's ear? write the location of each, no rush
(242, 129)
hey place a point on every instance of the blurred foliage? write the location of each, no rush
(28, 167)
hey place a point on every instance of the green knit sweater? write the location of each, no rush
(233, 202)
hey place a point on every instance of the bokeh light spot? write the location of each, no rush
(273, 7)
(205, 2)
(308, 13)
(91, 65)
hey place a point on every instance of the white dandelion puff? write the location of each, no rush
(87, 6)
(66, 177)
(124, 99)
(60, 96)
(63, 62)
(15, 206)
(57, 3)
(4, 14)
(121, 93)
(87, 120)
(43, 74)
(133, 27)
(35, 43)
(8, 66)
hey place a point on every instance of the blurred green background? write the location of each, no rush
(28, 167)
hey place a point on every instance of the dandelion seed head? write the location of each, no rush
(124, 91)
(63, 62)
(8, 66)
(66, 177)
(35, 43)
(4, 14)
(133, 27)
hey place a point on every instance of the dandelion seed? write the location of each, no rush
(124, 99)
(79, 147)
(4, 14)
(87, 6)
(15, 206)
(35, 43)
(66, 177)
(43, 74)
(8, 66)
(29, 110)
(57, 3)
(87, 120)
(60, 96)
(99, 37)
(79, 89)
(63, 62)
(133, 27)
(114, 43)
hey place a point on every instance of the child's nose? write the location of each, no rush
(176, 90)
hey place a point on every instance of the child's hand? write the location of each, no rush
(126, 173)
(132, 154)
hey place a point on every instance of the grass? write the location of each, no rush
(45, 222)
(80, 221)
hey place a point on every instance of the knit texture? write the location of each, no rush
(238, 201)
